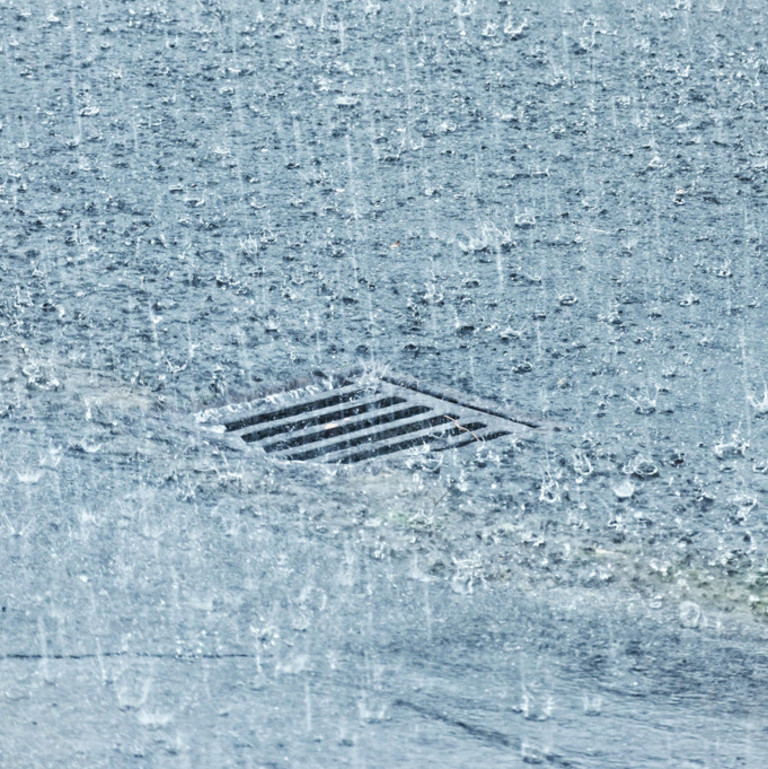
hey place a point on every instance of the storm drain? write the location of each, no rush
(359, 416)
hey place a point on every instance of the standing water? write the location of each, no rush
(556, 208)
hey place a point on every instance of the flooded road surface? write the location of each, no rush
(556, 209)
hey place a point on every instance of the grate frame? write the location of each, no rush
(362, 415)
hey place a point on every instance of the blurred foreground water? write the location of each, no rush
(558, 208)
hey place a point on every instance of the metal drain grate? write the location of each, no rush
(362, 415)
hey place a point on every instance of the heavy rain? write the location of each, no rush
(558, 207)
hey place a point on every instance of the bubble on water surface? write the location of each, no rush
(690, 614)
(625, 489)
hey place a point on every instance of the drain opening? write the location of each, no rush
(361, 416)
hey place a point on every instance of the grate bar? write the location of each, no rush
(340, 395)
(416, 440)
(404, 427)
(477, 435)
(333, 430)
(324, 416)
(458, 399)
